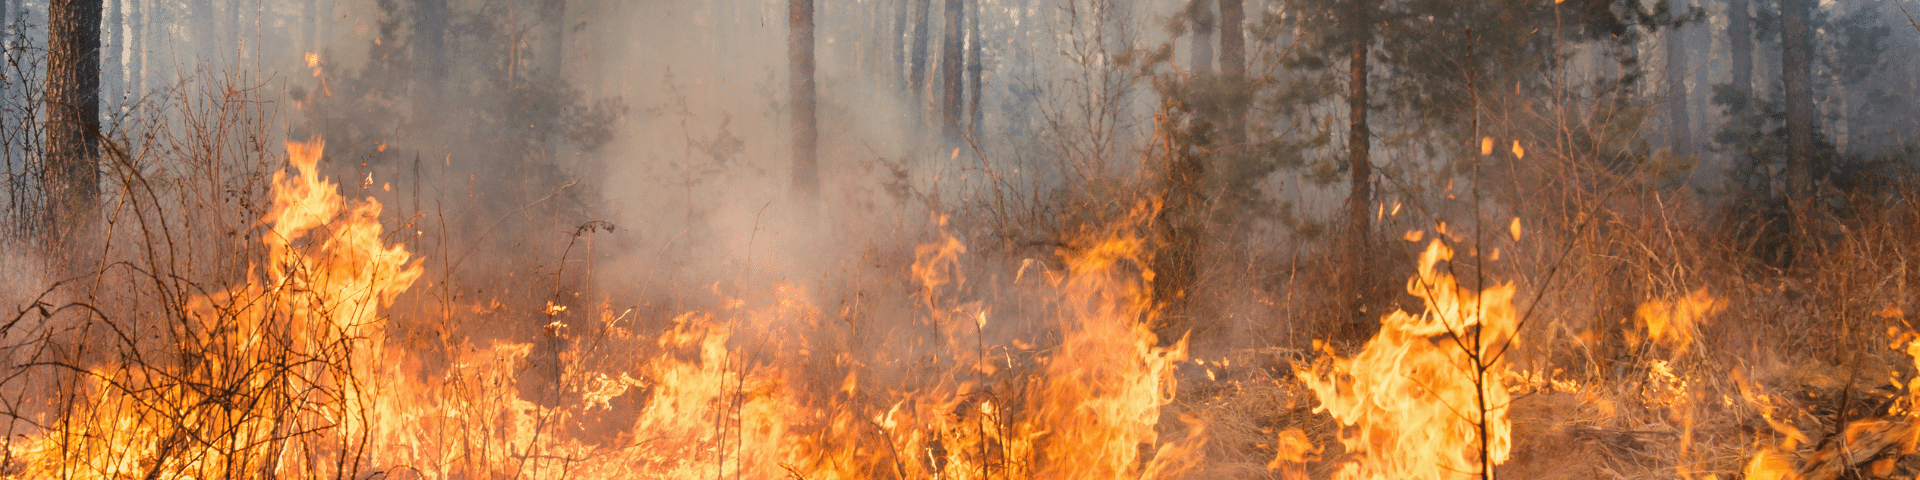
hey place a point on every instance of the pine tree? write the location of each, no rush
(73, 117)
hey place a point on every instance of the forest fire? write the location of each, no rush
(959, 239)
(295, 375)
(1426, 398)
(298, 379)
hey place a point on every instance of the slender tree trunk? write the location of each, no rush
(129, 50)
(1359, 164)
(1679, 130)
(146, 45)
(430, 47)
(899, 39)
(975, 67)
(951, 63)
(1233, 65)
(1200, 12)
(73, 116)
(1796, 68)
(6, 93)
(917, 78)
(1740, 46)
(806, 168)
(1360, 171)
(109, 42)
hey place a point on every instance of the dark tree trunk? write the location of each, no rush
(1359, 164)
(1360, 172)
(1200, 12)
(1740, 46)
(1796, 48)
(951, 63)
(917, 76)
(806, 167)
(1233, 65)
(431, 18)
(975, 67)
(110, 40)
(1679, 130)
(899, 39)
(1233, 42)
(73, 116)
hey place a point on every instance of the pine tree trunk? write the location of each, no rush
(1796, 67)
(1360, 172)
(1740, 46)
(110, 41)
(1679, 128)
(1360, 166)
(951, 63)
(430, 24)
(899, 39)
(1201, 14)
(73, 116)
(975, 68)
(1233, 65)
(917, 76)
(806, 168)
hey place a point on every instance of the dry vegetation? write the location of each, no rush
(242, 320)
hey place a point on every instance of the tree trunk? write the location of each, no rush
(1233, 65)
(951, 63)
(1796, 67)
(975, 67)
(1740, 46)
(1360, 166)
(430, 24)
(110, 42)
(806, 168)
(146, 45)
(73, 116)
(1679, 129)
(1360, 172)
(130, 50)
(899, 39)
(917, 77)
(431, 52)
(1201, 14)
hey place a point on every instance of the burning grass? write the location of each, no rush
(1055, 373)
(349, 347)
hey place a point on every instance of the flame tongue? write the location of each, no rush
(1424, 399)
(269, 367)
(293, 377)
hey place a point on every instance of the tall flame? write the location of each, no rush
(274, 374)
(1425, 398)
(290, 375)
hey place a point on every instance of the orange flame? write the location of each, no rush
(1424, 399)
(279, 366)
